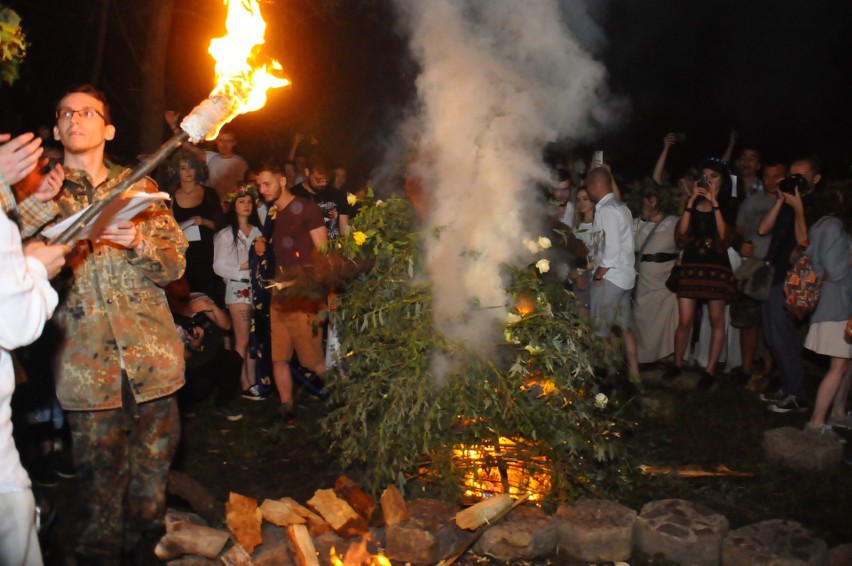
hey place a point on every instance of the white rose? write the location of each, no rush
(512, 318)
(531, 246)
(542, 265)
(601, 401)
(543, 242)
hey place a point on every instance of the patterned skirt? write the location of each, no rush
(706, 281)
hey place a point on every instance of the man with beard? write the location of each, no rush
(332, 201)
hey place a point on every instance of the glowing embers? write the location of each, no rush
(241, 76)
(510, 467)
(358, 555)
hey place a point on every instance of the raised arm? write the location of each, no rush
(668, 142)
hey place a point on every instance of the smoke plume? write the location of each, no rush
(498, 80)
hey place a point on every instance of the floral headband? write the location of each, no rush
(246, 189)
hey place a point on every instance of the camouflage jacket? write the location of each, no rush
(115, 314)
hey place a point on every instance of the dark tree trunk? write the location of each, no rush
(153, 99)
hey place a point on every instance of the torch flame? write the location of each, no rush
(240, 76)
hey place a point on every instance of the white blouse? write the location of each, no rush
(227, 257)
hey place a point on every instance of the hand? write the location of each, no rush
(19, 156)
(298, 137)
(849, 329)
(198, 220)
(53, 257)
(203, 304)
(43, 187)
(794, 200)
(732, 137)
(260, 246)
(669, 140)
(171, 118)
(123, 234)
(598, 276)
(747, 249)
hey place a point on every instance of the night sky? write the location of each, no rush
(773, 69)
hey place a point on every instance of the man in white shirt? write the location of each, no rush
(26, 302)
(614, 260)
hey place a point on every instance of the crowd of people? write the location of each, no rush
(717, 246)
(214, 293)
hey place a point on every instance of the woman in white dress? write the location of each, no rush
(579, 215)
(654, 306)
(230, 262)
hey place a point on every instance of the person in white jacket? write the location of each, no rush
(230, 262)
(26, 302)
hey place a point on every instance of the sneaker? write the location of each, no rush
(774, 397)
(43, 474)
(288, 420)
(842, 422)
(228, 413)
(254, 393)
(824, 431)
(61, 466)
(790, 404)
(706, 382)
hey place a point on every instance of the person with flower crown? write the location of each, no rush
(231, 262)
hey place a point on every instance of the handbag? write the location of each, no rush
(802, 288)
(754, 278)
(673, 280)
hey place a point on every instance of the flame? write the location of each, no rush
(358, 555)
(524, 305)
(240, 76)
(483, 474)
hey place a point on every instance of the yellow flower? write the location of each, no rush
(359, 237)
(542, 265)
(351, 199)
(544, 242)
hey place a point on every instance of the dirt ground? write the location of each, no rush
(723, 426)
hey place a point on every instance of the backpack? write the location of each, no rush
(802, 288)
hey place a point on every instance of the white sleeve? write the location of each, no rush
(609, 253)
(226, 261)
(26, 298)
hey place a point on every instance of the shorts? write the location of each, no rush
(610, 308)
(237, 292)
(299, 331)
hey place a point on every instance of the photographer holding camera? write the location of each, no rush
(202, 326)
(787, 221)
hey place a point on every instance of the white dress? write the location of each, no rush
(654, 307)
(227, 259)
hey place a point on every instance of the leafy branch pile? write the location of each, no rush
(13, 45)
(537, 390)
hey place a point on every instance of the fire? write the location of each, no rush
(358, 555)
(240, 76)
(490, 470)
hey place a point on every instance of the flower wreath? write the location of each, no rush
(243, 190)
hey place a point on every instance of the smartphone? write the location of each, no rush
(680, 138)
(704, 183)
(597, 159)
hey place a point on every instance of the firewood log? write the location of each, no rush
(316, 525)
(244, 520)
(483, 512)
(303, 545)
(352, 493)
(237, 556)
(186, 538)
(201, 501)
(281, 513)
(339, 514)
(393, 506)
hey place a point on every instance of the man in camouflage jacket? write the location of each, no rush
(122, 359)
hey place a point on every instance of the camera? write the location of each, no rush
(190, 323)
(793, 182)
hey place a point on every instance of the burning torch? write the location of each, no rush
(241, 85)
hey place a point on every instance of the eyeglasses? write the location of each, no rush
(85, 113)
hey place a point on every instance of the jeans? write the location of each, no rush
(780, 334)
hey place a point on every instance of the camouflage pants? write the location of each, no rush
(123, 458)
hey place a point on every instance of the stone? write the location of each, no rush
(657, 404)
(273, 553)
(595, 530)
(682, 531)
(840, 555)
(773, 543)
(427, 537)
(802, 450)
(525, 533)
